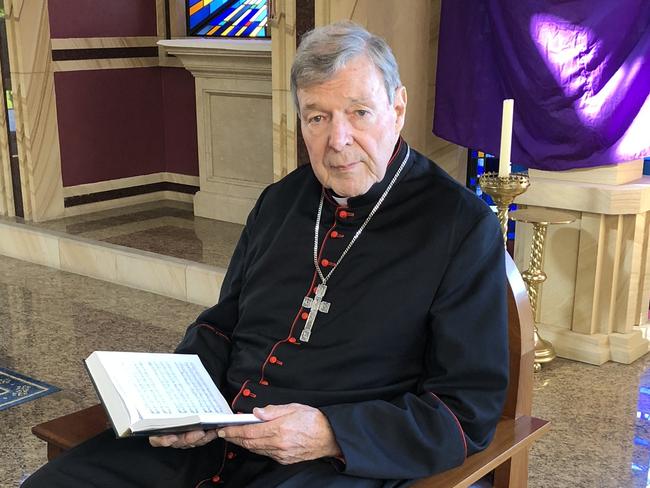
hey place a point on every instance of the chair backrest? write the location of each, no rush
(519, 400)
(507, 455)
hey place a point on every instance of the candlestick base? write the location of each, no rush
(503, 191)
(544, 350)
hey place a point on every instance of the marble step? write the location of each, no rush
(165, 275)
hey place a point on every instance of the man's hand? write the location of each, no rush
(186, 440)
(290, 434)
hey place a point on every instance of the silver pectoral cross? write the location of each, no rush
(314, 305)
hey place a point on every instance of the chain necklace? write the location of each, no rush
(317, 304)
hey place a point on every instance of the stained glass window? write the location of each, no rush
(227, 18)
(479, 162)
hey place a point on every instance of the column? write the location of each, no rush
(28, 32)
(283, 50)
(6, 189)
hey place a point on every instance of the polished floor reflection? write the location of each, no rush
(641, 453)
(594, 439)
(165, 227)
(50, 320)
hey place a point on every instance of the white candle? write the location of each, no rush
(506, 137)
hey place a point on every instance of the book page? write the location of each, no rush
(166, 385)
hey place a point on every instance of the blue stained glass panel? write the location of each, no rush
(228, 18)
(199, 10)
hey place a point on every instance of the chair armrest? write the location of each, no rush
(511, 437)
(66, 432)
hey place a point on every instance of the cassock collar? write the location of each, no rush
(375, 191)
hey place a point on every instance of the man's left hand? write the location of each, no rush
(290, 434)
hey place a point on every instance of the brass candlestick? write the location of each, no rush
(534, 276)
(503, 191)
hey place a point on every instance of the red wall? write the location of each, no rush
(110, 124)
(102, 18)
(179, 109)
(125, 122)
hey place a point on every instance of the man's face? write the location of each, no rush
(350, 127)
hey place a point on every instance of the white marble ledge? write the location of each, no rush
(628, 198)
(642, 183)
(201, 44)
(222, 58)
(613, 174)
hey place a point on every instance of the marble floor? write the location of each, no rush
(50, 320)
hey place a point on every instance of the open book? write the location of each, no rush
(151, 393)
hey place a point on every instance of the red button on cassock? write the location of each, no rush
(246, 392)
(273, 360)
(343, 214)
(230, 455)
(325, 263)
(304, 315)
(292, 340)
(334, 234)
(216, 478)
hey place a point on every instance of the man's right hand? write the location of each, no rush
(194, 438)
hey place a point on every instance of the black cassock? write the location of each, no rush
(409, 364)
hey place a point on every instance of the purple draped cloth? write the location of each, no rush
(578, 70)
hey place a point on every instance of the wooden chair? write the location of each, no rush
(507, 455)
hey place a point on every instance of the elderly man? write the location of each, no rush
(362, 317)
